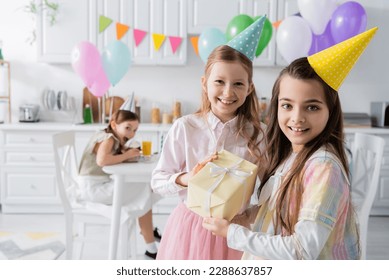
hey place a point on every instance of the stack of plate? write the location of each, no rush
(56, 101)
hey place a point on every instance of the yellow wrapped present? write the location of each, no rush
(222, 188)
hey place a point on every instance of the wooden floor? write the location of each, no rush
(378, 235)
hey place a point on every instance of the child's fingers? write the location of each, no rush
(208, 223)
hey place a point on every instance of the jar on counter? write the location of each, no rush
(167, 118)
(176, 110)
(155, 115)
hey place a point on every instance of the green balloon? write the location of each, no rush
(237, 25)
(266, 34)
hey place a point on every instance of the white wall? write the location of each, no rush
(369, 80)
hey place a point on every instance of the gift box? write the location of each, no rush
(222, 188)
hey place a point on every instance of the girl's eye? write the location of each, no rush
(286, 106)
(219, 81)
(313, 108)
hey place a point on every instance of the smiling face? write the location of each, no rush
(227, 87)
(302, 110)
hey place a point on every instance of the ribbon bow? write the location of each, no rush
(216, 171)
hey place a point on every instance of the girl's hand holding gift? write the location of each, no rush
(217, 226)
(184, 178)
(200, 165)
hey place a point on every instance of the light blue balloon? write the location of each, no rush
(116, 59)
(209, 39)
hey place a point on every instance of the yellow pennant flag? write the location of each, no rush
(158, 40)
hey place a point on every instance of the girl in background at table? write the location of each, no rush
(106, 147)
(305, 209)
(229, 119)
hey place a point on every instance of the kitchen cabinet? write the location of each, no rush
(167, 17)
(79, 21)
(213, 13)
(76, 22)
(27, 171)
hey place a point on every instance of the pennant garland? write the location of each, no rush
(138, 36)
(175, 43)
(158, 40)
(104, 22)
(195, 44)
(121, 29)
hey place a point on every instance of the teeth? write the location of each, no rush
(226, 101)
(297, 129)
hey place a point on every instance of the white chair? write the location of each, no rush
(367, 152)
(77, 216)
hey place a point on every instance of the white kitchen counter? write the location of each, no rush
(55, 126)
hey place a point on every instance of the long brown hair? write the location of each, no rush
(279, 147)
(249, 113)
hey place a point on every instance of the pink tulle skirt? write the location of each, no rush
(184, 238)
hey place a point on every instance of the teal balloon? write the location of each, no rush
(237, 24)
(116, 59)
(209, 39)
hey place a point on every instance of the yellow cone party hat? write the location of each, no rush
(334, 64)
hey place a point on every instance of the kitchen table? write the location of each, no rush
(139, 172)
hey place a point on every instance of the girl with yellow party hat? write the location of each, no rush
(304, 209)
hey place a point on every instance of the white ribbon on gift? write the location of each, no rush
(216, 171)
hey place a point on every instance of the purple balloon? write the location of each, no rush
(322, 41)
(348, 20)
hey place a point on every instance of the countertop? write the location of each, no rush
(58, 126)
(55, 126)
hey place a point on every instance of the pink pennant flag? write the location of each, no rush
(175, 42)
(139, 35)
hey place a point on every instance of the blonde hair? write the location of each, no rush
(249, 113)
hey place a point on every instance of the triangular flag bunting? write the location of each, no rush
(104, 22)
(138, 36)
(195, 44)
(175, 42)
(158, 40)
(121, 29)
